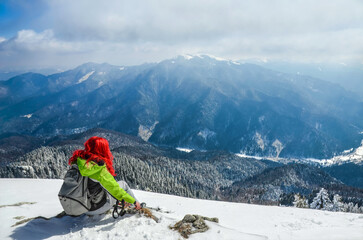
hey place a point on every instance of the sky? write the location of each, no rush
(67, 33)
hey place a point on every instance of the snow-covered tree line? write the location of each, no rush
(189, 178)
(322, 201)
(207, 178)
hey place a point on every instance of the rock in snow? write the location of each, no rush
(236, 220)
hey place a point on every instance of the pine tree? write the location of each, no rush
(338, 205)
(300, 201)
(355, 208)
(321, 201)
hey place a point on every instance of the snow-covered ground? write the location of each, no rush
(236, 220)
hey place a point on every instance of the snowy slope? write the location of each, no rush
(236, 220)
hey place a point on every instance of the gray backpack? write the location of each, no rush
(74, 195)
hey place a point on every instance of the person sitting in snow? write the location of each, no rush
(96, 163)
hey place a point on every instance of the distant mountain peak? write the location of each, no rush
(202, 56)
(206, 57)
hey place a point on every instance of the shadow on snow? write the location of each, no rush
(42, 228)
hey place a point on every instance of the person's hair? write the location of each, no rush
(95, 149)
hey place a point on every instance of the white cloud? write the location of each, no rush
(132, 32)
(29, 40)
(175, 21)
(31, 49)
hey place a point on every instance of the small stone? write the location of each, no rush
(216, 220)
(192, 224)
(189, 218)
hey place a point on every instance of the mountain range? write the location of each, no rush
(199, 102)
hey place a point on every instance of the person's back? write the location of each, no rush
(95, 163)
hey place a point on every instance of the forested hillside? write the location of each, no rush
(208, 175)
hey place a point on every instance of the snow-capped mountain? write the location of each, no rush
(199, 102)
(236, 220)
